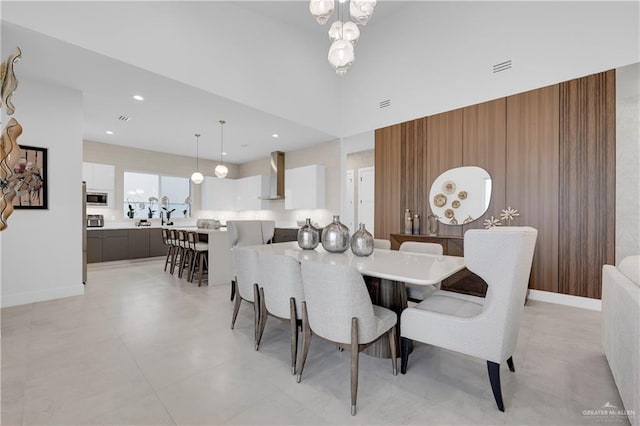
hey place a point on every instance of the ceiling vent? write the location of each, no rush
(124, 118)
(386, 103)
(502, 66)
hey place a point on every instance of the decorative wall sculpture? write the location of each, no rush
(10, 151)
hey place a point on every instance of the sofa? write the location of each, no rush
(621, 329)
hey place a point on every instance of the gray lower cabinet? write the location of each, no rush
(156, 245)
(115, 244)
(138, 243)
(94, 246)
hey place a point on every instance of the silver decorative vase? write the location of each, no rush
(308, 236)
(335, 236)
(362, 242)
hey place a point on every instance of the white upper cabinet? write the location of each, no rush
(248, 193)
(99, 176)
(304, 188)
(218, 194)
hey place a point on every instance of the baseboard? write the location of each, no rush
(42, 295)
(566, 299)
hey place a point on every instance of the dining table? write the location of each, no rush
(385, 273)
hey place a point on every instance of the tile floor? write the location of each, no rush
(144, 347)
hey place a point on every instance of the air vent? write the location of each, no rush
(502, 66)
(386, 103)
(124, 118)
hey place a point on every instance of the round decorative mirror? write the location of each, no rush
(461, 195)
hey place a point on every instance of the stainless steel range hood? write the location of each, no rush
(276, 178)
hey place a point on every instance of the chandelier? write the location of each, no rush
(221, 170)
(343, 33)
(197, 177)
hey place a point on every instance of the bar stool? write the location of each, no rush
(198, 256)
(175, 244)
(185, 253)
(166, 239)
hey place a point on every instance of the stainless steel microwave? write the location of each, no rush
(97, 199)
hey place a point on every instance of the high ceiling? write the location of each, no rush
(262, 66)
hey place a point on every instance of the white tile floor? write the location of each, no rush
(144, 347)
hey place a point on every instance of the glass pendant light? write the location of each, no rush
(347, 31)
(197, 177)
(221, 170)
(321, 10)
(361, 10)
(341, 56)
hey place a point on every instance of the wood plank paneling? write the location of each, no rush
(532, 175)
(484, 145)
(444, 151)
(414, 184)
(587, 183)
(388, 213)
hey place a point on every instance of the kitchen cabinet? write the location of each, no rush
(94, 246)
(138, 243)
(304, 188)
(99, 176)
(218, 194)
(248, 192)
(115, 245)
(156, 244)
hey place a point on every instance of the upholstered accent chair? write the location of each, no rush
(281, 295)
(246, 262)
(381, 244)
(417, 293)
(338, 308)
(485, 328)
(248, 233)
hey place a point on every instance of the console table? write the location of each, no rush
(464, 281)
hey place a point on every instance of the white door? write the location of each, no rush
(349, 211)
(366, 191)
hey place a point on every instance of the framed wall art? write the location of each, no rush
(31, 172)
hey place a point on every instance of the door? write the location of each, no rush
(366, 191)
(349, 213)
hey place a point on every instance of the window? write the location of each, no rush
(147, 195)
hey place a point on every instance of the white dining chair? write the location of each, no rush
(484, 328)
(246, 264)
(338, 308)
(417, 293)
(281, 295)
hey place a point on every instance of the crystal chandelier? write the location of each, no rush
(221, 170)
(343, 34)
(197, 177)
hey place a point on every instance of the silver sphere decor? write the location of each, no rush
(308, 236)
(362, 242)
(335, 236)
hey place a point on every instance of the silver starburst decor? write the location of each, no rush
(509, 214)
(490, 223)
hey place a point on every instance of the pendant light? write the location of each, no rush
(197, 177)
(221, 170)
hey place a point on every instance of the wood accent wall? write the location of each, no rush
(388, 181)
(587, 189)
(532, 175)
(551, 155)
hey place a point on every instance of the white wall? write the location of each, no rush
(627, 161)
(41, 255)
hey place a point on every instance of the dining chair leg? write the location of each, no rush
(233, 289)
(355, 356)
(405, 346)
(256, 314)
(392, 346)
(494, 378)
(236, 308)
(262, 322)
(512, 368)
(293, 322)
(306, 341)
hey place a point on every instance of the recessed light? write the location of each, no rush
(224, 153)
(109, 132)
(138, 98)
(275, 135)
